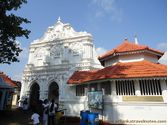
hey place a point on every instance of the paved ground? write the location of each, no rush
(20, 117)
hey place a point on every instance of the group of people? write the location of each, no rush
(49, 110)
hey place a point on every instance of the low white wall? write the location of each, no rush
(124, 113)
(133, 113)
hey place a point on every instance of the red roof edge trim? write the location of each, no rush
(7, 80)
(141, 69)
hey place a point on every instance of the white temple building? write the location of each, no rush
(63, 65)
(52, 60)
(134, 85)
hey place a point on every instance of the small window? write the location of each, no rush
(150, 87)
(81, 90)
(106, 86)
(125, 87)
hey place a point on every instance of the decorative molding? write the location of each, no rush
(40, 53)
(76, 48)
(56, 51)
(60, 31)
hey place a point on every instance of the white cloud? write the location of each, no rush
(117, 15)
(107, 8)
(24, 53)
(99, 14)
(163, 59)
(17, 77)
(100, 51)
(106, 5)
(162, 46)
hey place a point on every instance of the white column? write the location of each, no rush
(164, 89)
(113, 88)
(23, 92)
(30, 58)
(42, 87)
(24, 88)
(137, 87)
(47, 56)
(88, 50)
(42, 94)
(115, 97)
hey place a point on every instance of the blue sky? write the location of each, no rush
(109, 21)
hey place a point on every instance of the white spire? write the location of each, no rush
(58, 20)
(136, 40)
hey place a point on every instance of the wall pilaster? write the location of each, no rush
(137, 87)
(164, 90)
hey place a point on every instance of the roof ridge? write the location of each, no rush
(127, 46)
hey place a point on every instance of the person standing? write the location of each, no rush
(45, 112)
(25, 104)
(35, 118)
(52, 110)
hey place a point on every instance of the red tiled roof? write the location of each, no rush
(7, 80)
(140, 69)
(127, 46)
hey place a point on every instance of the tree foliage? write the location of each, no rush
(10, 29)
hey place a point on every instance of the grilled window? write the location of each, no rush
(150, 87)
(125, 87)
(81, 90)
(106, 86)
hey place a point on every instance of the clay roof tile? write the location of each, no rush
(127, 46)
(7, 80)
(140, 69)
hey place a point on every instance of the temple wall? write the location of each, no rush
(121, 109)
(61, 52)
(131, 58)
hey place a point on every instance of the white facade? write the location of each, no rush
(120, 109)
(61, 51)
(131, 57)
(124, 102)
(53, 59)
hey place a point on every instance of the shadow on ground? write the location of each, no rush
(17, 116)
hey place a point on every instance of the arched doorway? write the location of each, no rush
(34, 95)
(53, 92)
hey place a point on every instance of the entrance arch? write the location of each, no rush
(53, 91)
(34, 95)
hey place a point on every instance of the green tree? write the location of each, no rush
(10, 29)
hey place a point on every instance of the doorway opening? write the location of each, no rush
(34, 95)
(53, 92)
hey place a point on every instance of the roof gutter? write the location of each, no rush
(118, 79)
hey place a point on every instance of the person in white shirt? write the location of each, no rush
(35, 118)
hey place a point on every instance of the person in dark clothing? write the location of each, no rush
(25, 104)
(52, 110)
(45, 112)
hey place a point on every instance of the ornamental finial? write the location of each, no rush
(59, 20)
(136, 40)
